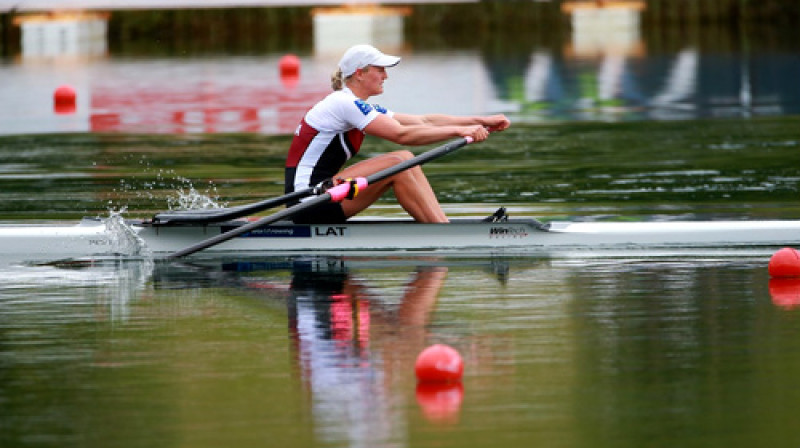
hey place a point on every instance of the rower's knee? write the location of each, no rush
(401, 155)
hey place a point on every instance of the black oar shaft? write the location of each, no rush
(325, 197)
(222, 237)
(418, 160)
(226, 214)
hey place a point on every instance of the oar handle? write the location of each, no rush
(348, 189)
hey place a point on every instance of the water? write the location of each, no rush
(319, 351)
(581, 349)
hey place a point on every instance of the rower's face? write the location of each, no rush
(372, 78)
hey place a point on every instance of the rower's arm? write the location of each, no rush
(493, 122)
(412, 132)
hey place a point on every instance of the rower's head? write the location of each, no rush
(358, 63)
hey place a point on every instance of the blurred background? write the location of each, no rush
(206, 66)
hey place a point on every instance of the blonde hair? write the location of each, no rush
(337, 80)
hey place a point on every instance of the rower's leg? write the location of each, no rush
(411, 187)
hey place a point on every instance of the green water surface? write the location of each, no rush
(738, 168)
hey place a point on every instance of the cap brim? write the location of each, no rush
(387, 61)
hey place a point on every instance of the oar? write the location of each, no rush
(336, 193)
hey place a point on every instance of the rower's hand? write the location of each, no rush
(496, 123)
(477, 132)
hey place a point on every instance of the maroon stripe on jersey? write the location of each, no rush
(301, 141)
(354, 139)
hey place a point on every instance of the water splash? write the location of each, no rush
(188, 198)
(123, 239)
(178, 191)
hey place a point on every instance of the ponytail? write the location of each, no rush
(337, 80)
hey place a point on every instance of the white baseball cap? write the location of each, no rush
(360, 56)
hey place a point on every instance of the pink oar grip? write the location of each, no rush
(339, 192)
(468, 139)
(361, 183)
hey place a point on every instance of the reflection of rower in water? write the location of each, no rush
(348, 347)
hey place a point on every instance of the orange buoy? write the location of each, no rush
(439, 363)
(289, 66)
(785, 263)
(64, 100)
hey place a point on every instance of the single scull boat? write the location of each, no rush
(113, 236)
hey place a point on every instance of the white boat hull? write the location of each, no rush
(94, 237)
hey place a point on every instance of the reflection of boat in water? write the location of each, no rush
(274, 273)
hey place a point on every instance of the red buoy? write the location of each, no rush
(64, 100)
(289, 66)
(785, 263)
(439, 363)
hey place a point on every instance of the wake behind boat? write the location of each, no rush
(113, 236)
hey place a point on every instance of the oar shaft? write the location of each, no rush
(325, 197)
(217, 215)
(418, 160)
(267, 220)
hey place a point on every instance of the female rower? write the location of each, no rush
(332, 131)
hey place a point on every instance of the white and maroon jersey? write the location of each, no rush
(329, 135)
